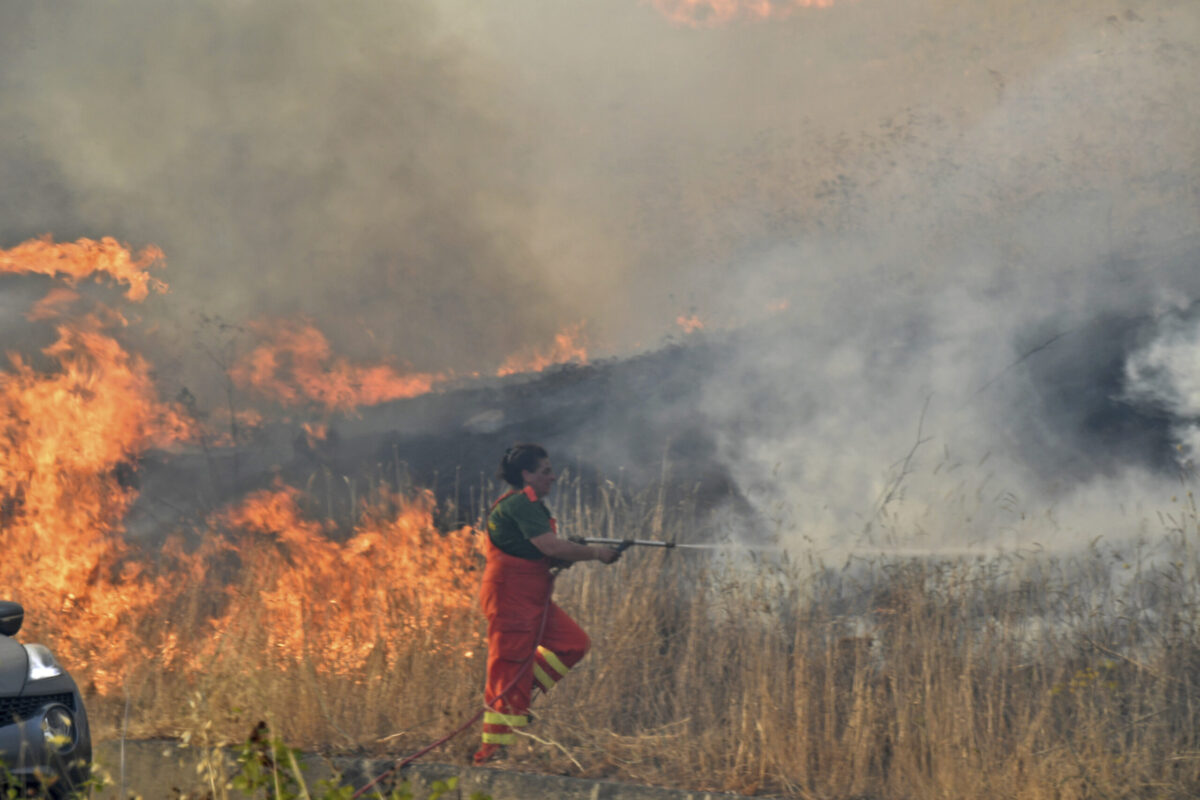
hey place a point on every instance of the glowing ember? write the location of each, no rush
(295, 366)
(74, 262)
(718, 12)
(569, 347)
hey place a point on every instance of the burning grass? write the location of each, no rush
(1012, 675)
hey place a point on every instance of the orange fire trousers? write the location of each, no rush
(514, 596)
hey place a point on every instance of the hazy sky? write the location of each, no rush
(915, 194)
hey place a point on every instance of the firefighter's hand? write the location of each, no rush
(607, 555)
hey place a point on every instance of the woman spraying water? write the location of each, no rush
(530, 639)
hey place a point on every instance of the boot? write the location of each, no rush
(488, 753)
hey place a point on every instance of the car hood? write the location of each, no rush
(14, 665)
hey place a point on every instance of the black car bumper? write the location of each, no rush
(62, 766)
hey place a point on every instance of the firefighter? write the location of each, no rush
(522, 547)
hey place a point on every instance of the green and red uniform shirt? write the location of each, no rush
(516, 519)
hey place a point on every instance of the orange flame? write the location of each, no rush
(711, 13)
(569, 346)
(71, 442)
(331, 604)
(690, 324)
(265, 569)
(54, 304)
(74, 262)
(73, 437)
(296, 366)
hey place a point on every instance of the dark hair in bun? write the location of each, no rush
(521, 457)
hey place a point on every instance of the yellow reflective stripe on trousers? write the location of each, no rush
(511, 720)
(545, 680)
(553, 661)
(498, 738)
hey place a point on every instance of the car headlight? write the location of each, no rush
(58, 728)
(41, 663)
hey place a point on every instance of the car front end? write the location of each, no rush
(44, 737)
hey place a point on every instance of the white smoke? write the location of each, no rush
(1164, 374)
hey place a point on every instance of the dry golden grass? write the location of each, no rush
(1014, 675)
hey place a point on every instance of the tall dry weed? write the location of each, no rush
(1014, 675)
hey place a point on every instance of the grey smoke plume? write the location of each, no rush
(957, 218)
